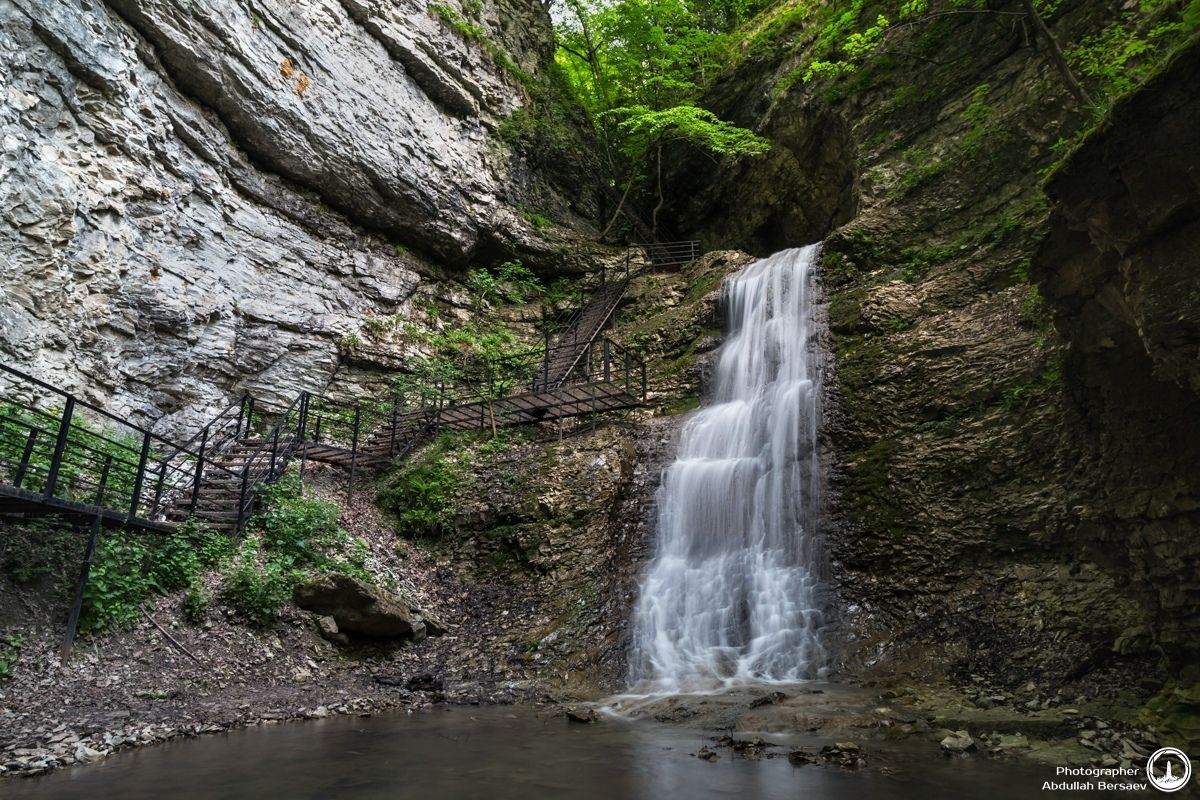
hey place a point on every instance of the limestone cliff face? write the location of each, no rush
(973, 494)
(200, 198)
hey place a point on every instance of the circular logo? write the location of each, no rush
(1168, 769)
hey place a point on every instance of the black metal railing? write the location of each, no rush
(269, 459)
(666, 254)
(83, 458)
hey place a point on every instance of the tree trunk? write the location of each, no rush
(620, 205)
(1056, 56)
(658, 207)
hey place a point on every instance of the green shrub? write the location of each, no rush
(119, 580)
(128, 567)
(10, 650)
(423, 493)
(257, 587)
(195, 602)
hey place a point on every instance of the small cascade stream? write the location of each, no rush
(732, 594)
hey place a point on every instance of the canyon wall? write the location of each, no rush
(982, 465)
(201, 199)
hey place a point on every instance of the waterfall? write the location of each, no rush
(731, 595)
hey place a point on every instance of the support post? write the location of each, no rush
(26, 454)
(353, 454)
(139, 479)
(302, 424)
(199, 477)
(249, 414)
(158, 489)
(607, 360)
(237, 430)
(274, 451)
(85, 569)
(60, 446)
(241, 517)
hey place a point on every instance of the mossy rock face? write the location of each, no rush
(970, 458)
(673, 320)
(1175, 712)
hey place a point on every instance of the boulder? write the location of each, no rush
(957, 743)
(584, 714)
(327, 627)
(357, 607)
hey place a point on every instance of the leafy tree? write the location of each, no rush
(1117, 57)
(638, 67)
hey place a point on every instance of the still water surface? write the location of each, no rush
(501, 753)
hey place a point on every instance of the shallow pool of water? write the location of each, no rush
(507, 752)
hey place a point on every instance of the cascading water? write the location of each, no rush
(732, 594)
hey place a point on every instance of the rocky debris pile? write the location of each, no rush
(847, 755)
(1114, 745)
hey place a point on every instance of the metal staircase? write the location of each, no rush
(61, 455)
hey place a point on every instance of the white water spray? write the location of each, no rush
(732, 594)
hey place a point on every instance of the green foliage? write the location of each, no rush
(511, 282)
(638, 67)
(1113, 61)
(89, 447)
(119, 581)
(256, 588)
(979, 114)
(1129, 49)
(422, 494)
(472, 32)
(467, 30)
(923, 168)
(294, 536)
(10, 651)
(302, 533)
(195, 602)
(643, 127)
(129, 567)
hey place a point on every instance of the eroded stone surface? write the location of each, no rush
(188, 187)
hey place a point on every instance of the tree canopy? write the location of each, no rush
(638, 67)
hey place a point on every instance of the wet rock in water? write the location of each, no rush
(327, 627)
(774, 698)
(752, 749)
(582, 714)
(799, 758)
(958, 743)
(86, 755)
(707, 755)
(358, 607)
(425, 682)
(847, 755)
